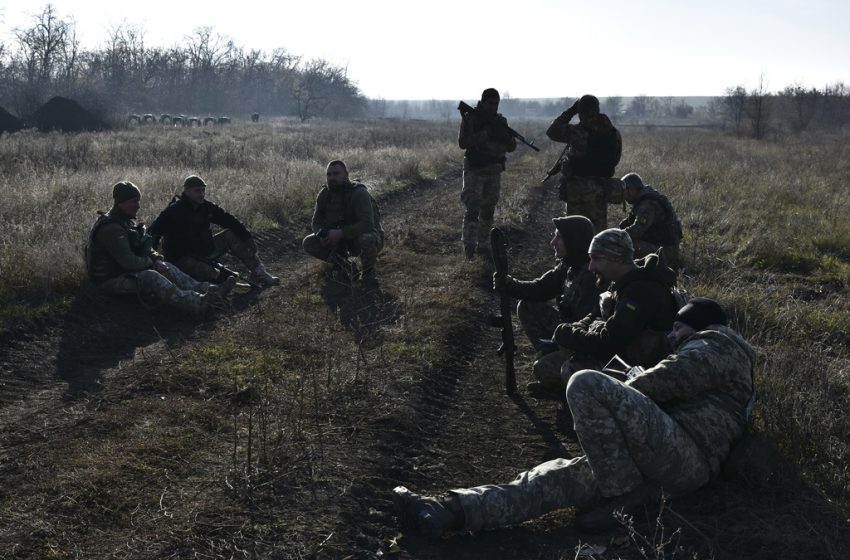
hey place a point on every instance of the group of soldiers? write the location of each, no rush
(123, 258)
(660, 388)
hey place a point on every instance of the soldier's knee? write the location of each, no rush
(311, 244)
(583, 381)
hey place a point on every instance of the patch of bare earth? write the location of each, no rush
(279, 429)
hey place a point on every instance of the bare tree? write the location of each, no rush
(613, 107)
(758, 108)
(735, 102)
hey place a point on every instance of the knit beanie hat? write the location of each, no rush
(124, 191)
(701, 312)
(193, 181)
(632, 180)
(488, 93)
(614, 244)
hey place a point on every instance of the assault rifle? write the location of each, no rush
(555, 169)
(468, 109)
(499, 248)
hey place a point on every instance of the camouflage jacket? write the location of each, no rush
(641, 314)
(349, 207)
(595, 144)
(653, 219)
(116, 246)
(574, 288)
(484, 140)
(705, 386)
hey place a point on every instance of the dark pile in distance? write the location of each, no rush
(61, 113)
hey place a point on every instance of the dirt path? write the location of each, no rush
(279, 430)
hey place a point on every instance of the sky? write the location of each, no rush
(451, 49)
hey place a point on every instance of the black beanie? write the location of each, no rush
(193, 181)
(488, 93)
(701, 312)
(588, 104)
(124, 191)
(577, 232)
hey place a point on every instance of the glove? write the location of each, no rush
(571, 112)
(501, 284)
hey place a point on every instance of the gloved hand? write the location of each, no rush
(501, 283)
(571, 112)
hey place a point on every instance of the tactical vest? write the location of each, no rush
(604, 150)
(477, 158)
(350, 218)
(664, 232)
(99, 263)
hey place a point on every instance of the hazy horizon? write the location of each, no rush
(447, 50)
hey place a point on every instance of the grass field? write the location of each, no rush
(202, 440)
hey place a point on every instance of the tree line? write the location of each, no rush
(758, 112)
(206, 74)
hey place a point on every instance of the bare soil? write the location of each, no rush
(133, 433)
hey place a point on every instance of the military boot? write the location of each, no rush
(431, 516)
(603, 516)
(261, 277)
(221, 290)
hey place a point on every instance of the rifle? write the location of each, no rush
(468, 109)
(555, 169)
(498, 247)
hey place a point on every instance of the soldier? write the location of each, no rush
(592, 156)
(346, 222)
(635, 313)
(652, 223)
(570, 283)
(670, 427)
(120, 259)
(486, 141)
(189, 243)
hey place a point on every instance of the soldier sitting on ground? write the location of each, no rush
(635, 313)
(668, 428)
(570, 283)
(189, 243)
(120, 259)
(652, 223)
(346, 222)
(594, 150)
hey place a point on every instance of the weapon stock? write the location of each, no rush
(498, 247)
(465, 109)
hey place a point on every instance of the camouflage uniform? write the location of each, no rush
(485, 143)
(120, 261)
(636, 315)
(577, 295)
(653, 224)
(189, 243)
(670, 426)
(594, 151)
(352, 209)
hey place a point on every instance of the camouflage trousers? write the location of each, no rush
(590, 197)
(628, 440)
(180, 291)
(367, 246)
(670, 252)
(538, 320)
(225, 242)
(480, 194)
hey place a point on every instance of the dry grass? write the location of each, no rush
(268, 175)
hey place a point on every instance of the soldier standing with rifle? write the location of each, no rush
(485, 136)
(588, 162)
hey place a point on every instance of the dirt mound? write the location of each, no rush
(61, 113)
(9, 122)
